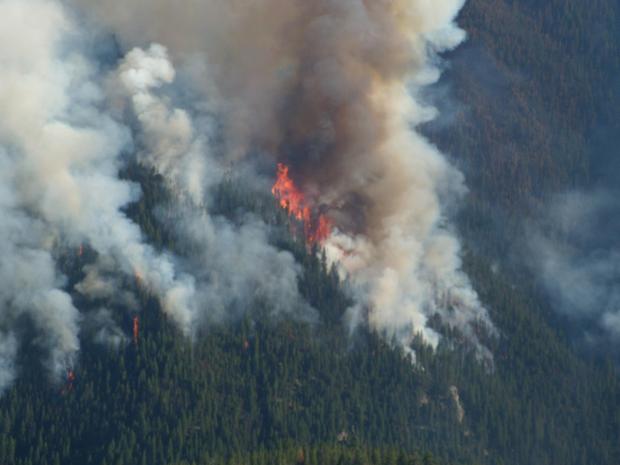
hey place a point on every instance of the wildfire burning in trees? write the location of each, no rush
(68, 387)
(317, 227)
(329, 84)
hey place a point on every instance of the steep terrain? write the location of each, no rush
(529, 106)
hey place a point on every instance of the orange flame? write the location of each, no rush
(80, 250)
(321, 231)
(317, 228)
(286, 192)
(136, 329)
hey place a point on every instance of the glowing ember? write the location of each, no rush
(317, 228)
(69, 383)
(136, 329)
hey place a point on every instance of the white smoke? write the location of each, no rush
(60, 158)
(171, 145)
(31, 95)
(332, 87)
(575, 251)
(233, 264)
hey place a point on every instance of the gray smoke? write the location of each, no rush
(31, 175)
(170, 143)
(8, 352)
(330, 87)
(576, 252)
(236, 267)
(233, 265)
(60, 157)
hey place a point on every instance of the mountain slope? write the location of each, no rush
(532, 88)
(268, 384)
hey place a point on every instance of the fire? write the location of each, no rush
(287, 194)
(322, 230)
(317, 228)
(136, 329)
(80, 250)
(68, 383)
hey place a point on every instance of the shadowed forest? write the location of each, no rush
(529, 107)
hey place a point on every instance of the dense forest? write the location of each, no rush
(531, 97)
(270, 390)
(530, 105)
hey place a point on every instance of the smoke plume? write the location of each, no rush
(60, 156)
(576, 252)
(233, 265)
(329, 88)
(170, 144)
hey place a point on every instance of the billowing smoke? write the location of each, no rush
(170, 143)
(60, 156)
(36, 143)
(329, 88)
(233, 265)
(575, 250)
(63, 145)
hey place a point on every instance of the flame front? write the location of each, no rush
(290, 198)
(317, 228)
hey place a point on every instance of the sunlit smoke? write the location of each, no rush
(61, 155)
(324, 90)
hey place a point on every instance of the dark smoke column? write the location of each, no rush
(329, 88)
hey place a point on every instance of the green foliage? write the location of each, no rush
(536, 81)
(273, 391)
(257, 391)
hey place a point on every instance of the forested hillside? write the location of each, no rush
(530, 105)
(537, 85)
(264, 389)
(531, 96)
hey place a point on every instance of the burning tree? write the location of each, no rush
(317, 227)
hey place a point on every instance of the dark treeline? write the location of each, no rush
(531, 110)
(264, 388)
(531, 107)
(534, 83)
